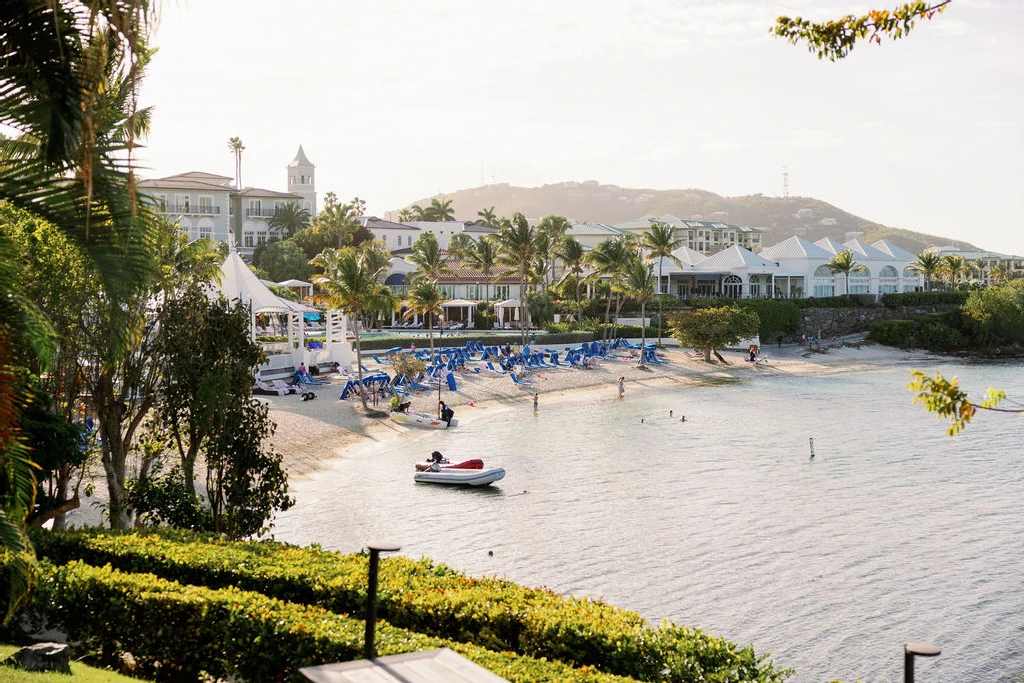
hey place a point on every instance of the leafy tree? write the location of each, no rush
(638, 284)
(336, 226)
(489, 218)
(996, 315)
(282, 261)
(236, 147)
(542, 307)
(425, 300)
(1001, 272)
(927, 264)
(426, 254)
(290, 219)
(711, 328)
(947, 400)
(517, 248)
(659, 242)
(351, 280)
(835, 39)
(574, 256)
(408, 215)
(843, 263)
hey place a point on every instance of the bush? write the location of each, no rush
(175, 632)
(899, 300)
(844, 301)
(898, 333)
(936, 332)
(424, 597)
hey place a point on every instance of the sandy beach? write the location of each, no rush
(312, 433)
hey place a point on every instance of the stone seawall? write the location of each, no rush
(824, 322)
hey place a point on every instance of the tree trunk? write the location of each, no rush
(359, 366)
(661, 302)
(643, 334)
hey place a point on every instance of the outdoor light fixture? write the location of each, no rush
(919, 649)
(371, 594)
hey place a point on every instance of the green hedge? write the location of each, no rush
(898, 333)
(428, 598)
(176, 632)
(956, 298)
(843, 301)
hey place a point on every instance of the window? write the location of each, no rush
(206, 232)
(501, 292)
(248, 239)
(182, 203)
(255, 208)
(473, 291)
(205, 203)
(261, 237)
(161, 203)
(732, 287)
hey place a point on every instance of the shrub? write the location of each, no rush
(422, 596)
(936, 332)
(176, 632)
(898, 333)
(898, 300)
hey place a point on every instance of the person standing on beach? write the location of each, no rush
(622, 386)
(536, 402)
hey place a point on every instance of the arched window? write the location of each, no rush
(860, 281)
(888, 280)
(732, 287)
(824, 282)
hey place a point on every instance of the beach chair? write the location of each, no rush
(490, 366)
(521, 382)
(262, 388)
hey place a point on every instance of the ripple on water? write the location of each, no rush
(893, 532)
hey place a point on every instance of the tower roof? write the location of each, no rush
(300, 159)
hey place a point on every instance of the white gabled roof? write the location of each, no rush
(795, 247)
(593, 229)
(689, 257)
(894, 251)
(866, 250)
(830, 245)
(736, 257)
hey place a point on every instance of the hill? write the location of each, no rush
(610, 204)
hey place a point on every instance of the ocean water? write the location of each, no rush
(893, 532)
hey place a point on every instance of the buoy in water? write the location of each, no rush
(812, 446)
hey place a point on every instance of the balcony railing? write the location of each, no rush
(264, 212)
(201, 210)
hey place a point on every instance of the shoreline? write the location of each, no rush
(313, 434)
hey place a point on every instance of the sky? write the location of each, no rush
(397, 100)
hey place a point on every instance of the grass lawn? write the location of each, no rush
(80, 671)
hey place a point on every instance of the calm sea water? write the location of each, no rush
(893, 532)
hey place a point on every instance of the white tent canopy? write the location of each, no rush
(457, 303)
(508, 303)
(238, 282)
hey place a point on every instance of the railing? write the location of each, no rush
(200, 210)
(266, 212)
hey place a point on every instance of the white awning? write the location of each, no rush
(458, 303)
(508, 303)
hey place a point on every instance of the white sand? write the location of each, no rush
(311, 433)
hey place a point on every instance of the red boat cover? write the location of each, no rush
(472, 464)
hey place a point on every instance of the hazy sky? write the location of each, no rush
(395, 100)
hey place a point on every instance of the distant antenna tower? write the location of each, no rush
(785, 182)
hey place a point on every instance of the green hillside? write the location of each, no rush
(611, 204)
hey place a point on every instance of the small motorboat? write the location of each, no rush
(467, 473)
(412, 418)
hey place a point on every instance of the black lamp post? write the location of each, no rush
(920, 650)
(371, 594)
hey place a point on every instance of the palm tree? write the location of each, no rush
(70, 75)
(572, 254)
(608, 260)
(659, 242)
(516, 247)
(927, 264)
(953, 267)
(843, 263)
(406, 215)
(489, 218)
(425, 299)
(289, 219)
(1000, 272)
(426, 254)
(460, 244)
(638, 284)
(555, 227)
(236, 147)
(438, 211)
(351, 283)
(483, 257)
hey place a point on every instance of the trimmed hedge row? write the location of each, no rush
(427, 598)
(176, 632)
(953, 297)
